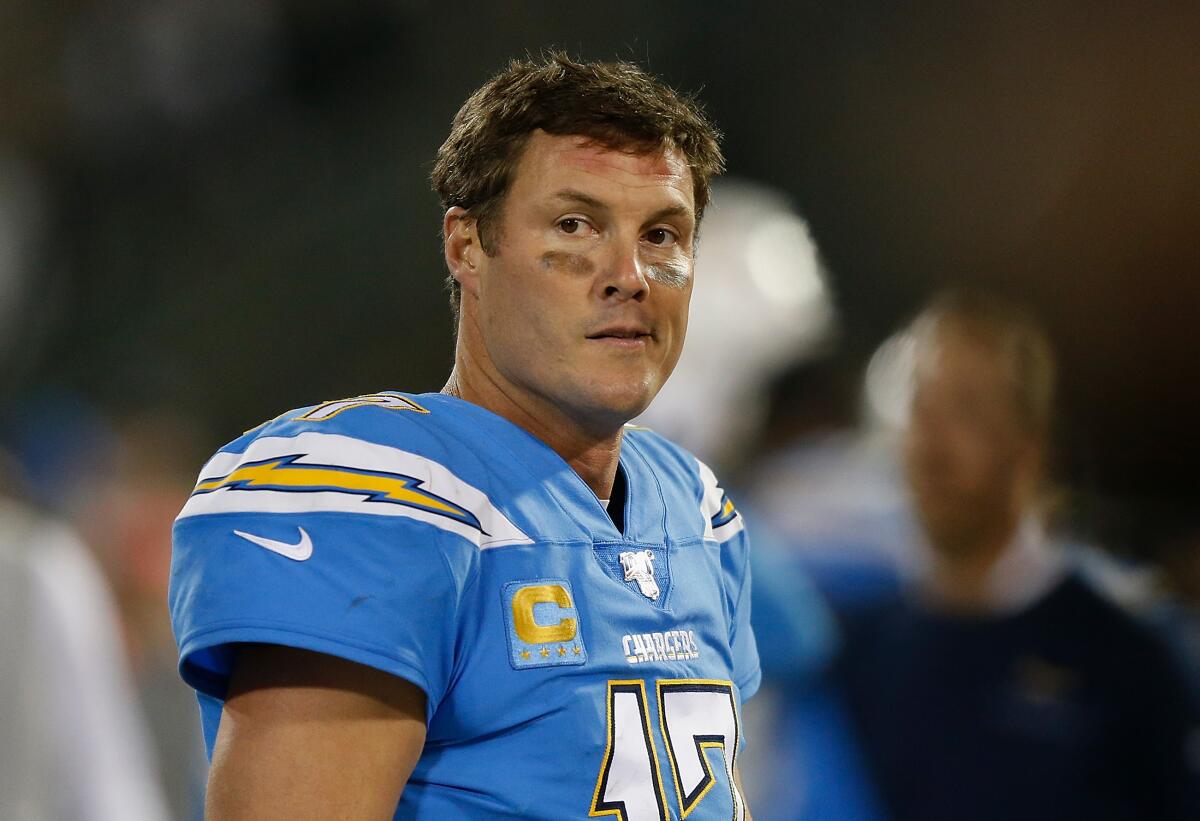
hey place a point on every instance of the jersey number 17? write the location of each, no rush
(697, 718)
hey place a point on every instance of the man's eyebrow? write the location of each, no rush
(671, 211)
(571, 195)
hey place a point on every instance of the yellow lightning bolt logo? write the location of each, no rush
(286, 474)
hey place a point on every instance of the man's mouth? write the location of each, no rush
(625, 332)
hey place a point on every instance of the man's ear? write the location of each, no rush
(460, 232)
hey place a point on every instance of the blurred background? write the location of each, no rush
(212, 212)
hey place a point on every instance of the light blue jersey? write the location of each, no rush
(571, 669)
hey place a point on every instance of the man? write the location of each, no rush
(1007, 687)
(496, 601)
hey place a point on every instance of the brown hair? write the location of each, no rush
(617, 104)
(1009, 331)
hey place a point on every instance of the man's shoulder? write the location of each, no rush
(391, 457)
(1079, 604)
(372, 426)
(691, 477)
(383, 415)
(665, 455)
(1077, 597)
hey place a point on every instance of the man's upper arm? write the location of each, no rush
(296, 540)
(311, 736)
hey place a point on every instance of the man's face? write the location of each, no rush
(584, 303)
(968, 461)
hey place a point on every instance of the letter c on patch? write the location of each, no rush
(527, 629)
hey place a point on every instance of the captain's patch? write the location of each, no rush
(543, 624)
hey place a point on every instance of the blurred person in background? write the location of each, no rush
(826, 494)
(118, 478)
(124, 509)
(1005, 686)
(75, 746)
(827, 476)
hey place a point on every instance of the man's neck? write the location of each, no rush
(1004, 575)
(591, 454)
(960, 574)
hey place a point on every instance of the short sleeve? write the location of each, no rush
(747, 672)
(724, 524)
(377, 592)
(330, 544)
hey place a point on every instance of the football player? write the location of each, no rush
(496, 601)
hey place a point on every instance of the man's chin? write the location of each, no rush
(613, 408)
(956, 529)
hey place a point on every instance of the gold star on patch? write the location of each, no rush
(544, 652)
(577, 649)
(525, 654)
(562, 651)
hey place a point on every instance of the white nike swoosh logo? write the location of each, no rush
(299, 552)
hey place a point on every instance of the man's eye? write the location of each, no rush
(660, 236)
(570, 225)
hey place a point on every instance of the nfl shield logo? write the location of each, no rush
(639, 567)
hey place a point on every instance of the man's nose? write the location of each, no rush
(625, 274)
